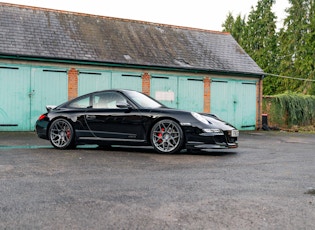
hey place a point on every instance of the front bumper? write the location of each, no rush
(211, 141)
(201, 146)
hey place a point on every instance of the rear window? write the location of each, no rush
(80, 103)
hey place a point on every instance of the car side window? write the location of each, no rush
(107, 100)
(80, 103)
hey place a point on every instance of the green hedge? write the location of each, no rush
(290, 109)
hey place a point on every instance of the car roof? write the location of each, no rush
(113, 90)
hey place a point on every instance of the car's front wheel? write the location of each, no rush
(61, 134)
(167, 136)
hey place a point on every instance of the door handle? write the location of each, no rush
(31, 93)
(90, 117)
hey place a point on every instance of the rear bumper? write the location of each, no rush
(41, 129)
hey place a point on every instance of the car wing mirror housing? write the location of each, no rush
(123, 105)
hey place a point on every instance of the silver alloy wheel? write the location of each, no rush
(61, 134)
(167, 136)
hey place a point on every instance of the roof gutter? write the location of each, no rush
(134, 66)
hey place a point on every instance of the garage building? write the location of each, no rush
(48, 57)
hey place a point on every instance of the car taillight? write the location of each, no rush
(41, 117)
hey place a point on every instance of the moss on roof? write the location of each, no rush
(37, 32)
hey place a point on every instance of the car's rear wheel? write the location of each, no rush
(167, 136)
(61, 134)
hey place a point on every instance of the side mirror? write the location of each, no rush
(123, 105)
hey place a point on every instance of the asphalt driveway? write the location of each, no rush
(267, 183)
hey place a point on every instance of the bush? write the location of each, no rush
(290, 109)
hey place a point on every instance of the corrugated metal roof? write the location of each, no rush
(37, 32)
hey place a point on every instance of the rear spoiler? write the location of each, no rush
(50, 107)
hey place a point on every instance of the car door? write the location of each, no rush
(112, 123)
(77, 112)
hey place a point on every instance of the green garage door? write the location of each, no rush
(179, 92)
(90, 81)
(25, 92)
(49, 86)
(235, 102)
(131, 81)
(164, 89)
(14, 98)
(191, 92)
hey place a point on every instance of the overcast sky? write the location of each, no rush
(203, 14)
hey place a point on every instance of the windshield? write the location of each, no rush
(143, 100)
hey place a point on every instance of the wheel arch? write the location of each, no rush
(62, 136)
(62, 117)
(156, 121)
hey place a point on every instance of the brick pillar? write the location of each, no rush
(259, 96)
(146, 83)
(72, 83)
(206, 94)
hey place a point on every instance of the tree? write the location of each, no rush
(229, 23)
(310, 88)
(258, 38)
(290, 52)
(260, 41)
(297, 46)
(235, 27)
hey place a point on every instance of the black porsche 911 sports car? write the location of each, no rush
(126, 117)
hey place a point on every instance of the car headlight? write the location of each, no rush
(218, 131)
(199, 118)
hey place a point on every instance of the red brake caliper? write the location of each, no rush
(160, 135)
(68, 133)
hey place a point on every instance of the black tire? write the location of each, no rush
(167, 136)
(61, 134)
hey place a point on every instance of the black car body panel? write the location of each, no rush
(130, 121)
